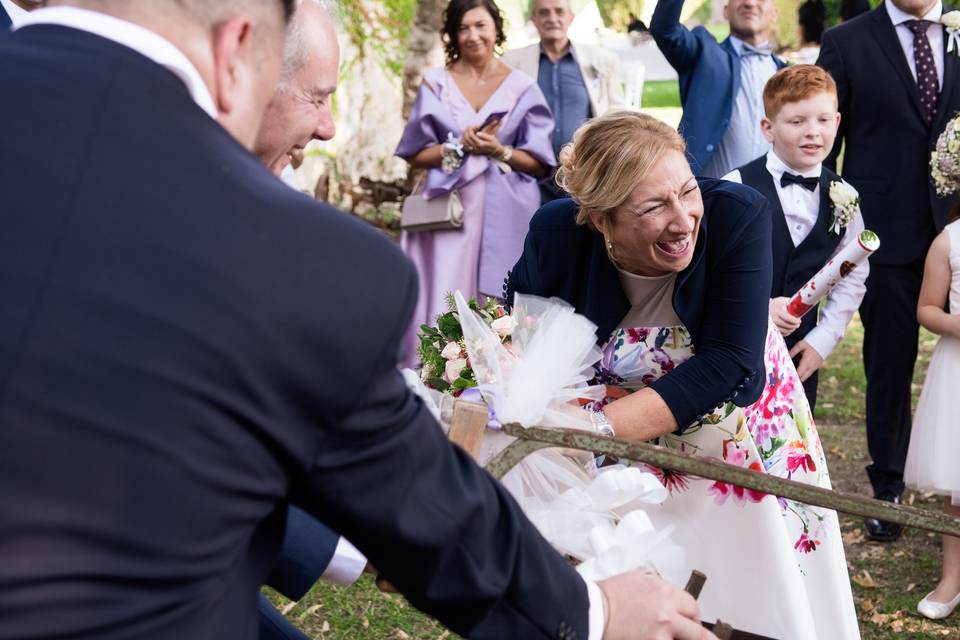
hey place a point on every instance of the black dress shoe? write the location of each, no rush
(881, 530)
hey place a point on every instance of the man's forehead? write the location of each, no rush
(551, 4)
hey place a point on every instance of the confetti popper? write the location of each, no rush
(832, 273)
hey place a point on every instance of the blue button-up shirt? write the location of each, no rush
(566, 93)
(743, 140)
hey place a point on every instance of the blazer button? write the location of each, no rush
(710, 147)
(566, 632)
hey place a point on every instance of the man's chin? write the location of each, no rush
(280, 164)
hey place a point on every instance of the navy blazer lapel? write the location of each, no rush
(951, 76)
(886, 36)
(734, 57)
(5, 22)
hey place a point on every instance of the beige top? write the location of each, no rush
(651, 300)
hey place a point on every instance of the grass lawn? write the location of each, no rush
(888, 579)
(660, 93)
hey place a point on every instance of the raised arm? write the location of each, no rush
(677, 43)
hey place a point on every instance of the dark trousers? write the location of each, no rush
(308, 546)
(890, 334)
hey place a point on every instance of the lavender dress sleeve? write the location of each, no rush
(534, 132)
(425, 126)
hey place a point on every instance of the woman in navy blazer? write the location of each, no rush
(675, 272)
(719, 294)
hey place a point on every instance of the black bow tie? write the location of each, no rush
(807, 183)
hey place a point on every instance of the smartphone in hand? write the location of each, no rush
(492, 121)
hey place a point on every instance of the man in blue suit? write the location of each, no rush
(178, 361)
(721, 84)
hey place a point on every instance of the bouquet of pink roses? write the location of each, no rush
(443, 352)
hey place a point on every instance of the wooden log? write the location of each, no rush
(536, 438)
(467, 427)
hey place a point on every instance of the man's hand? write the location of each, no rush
(786, 322)
(639, 606)
(810, 360)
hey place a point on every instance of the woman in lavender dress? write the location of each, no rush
(497, 177)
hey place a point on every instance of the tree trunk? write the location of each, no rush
(423, 48)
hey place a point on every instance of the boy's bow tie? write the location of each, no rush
(807, 183)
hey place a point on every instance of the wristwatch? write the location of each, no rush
(601, 425)
(507, 153)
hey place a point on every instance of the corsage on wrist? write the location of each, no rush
(451, 154)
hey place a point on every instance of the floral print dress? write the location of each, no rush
(774, 567)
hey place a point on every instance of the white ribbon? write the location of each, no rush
(634, 544)
(953, 40)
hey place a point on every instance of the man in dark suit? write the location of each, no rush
(721, 84)
(897, 88)
(187, 345)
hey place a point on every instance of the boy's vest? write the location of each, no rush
(793, 266)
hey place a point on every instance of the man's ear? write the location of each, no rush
(230, 40)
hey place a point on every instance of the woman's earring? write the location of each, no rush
(609, 246)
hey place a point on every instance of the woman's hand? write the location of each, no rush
(481, 142)
(786, 322)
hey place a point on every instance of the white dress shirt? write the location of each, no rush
(145, 42)
(934, 35)
(16, 13)
(742, 141)
(801, 207)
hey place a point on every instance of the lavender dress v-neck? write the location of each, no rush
(497, 205)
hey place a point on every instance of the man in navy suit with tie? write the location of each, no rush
(897, 88)
(721, 84)
(187, 346)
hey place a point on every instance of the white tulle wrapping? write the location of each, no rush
(587, 514)
(548, 364)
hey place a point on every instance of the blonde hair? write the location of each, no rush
(609, 156)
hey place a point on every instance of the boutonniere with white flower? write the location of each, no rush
(845, 203)
(951, 23)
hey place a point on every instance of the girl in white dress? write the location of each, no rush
(932, 459)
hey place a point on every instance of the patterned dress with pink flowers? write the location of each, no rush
(774, 567)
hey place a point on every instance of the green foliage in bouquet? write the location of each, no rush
(443, 354)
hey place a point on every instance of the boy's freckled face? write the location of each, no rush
(802, 132)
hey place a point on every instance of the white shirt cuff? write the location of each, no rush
(346, 565)
(596, 612)
(821, 341)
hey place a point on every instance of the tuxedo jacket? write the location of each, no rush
(709, 79)
(793, 265)
(721, 296)
(186, 344)
(888, 142)
(600, 70)
(5, 22)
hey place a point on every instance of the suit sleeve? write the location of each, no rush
(441, 529)
(734, 325)
(831, 60)
(677, 43)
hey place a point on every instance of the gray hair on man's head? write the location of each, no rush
(295, 45)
